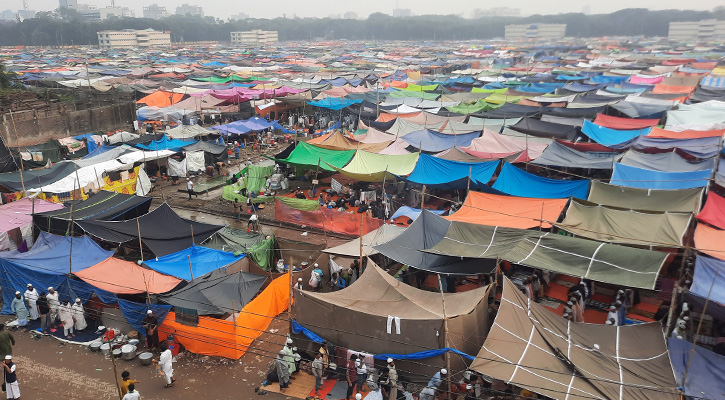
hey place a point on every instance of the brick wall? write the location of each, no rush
(34, 127)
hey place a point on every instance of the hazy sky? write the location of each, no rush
(323, 8)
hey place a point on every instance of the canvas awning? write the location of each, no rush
(624, 175)
(535, 127)
(124, 277)
(371, 167)
(549, 355)
(710, 241)
(192, 262)
(508, 211)
(704, 369)
(665, 162)
(381, 235)
(707, 282)
(558, 155)
(433, 141)
(679, 200)
(609, 121)
(615, 225)
(446, 174)
(309, 156)
(517, 182)
(714, 211)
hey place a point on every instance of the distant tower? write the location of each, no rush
(25, 5)
(113, 3)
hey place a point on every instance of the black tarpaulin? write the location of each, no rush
(589, 112)
(36, 178)
(535, 127)
(162, 231)
(510, 110)
(558, 155)
(103, 206)
(7, 161)
(638, 110)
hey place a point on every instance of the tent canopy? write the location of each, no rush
(310, 156)
(446, 174)
(371, 167)
(624, 175)
(714, 211)
(381, 235)
(680, 200)
(561, 359)
(192, 262)
(217, 292)
(124, 277)
(707, 281)
(609, 136)
(535, 127)
(706, 369)
(433, 141)
(162, 230)
(559, 155)
(517, 182)
(665, 162)
(508, 211)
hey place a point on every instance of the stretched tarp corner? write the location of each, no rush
(310, 156)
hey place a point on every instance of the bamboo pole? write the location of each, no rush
(468, 185)
(17, 142)
(191, 271)
(291, 289)
(361, 239)
(193, 242)
(445, 332)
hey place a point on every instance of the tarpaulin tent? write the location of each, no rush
(704, 369)
(404, 126)
(554, 357)
(217, 292)
(456, 154)
(16, 221)
(192, 262)
(696, 119)
(615, 225)
(7, 161)
(187, 131)
(597, 261)
(446, 174)
(309, 213)
(425, 231)
(520, 183)
(609, 136)
(558, 155)
(710, 241)
(165, 144)
(680, 200)
(493, 143)
(36, 178)
(102, 206)
(371, 167)
(609, 121)
(257, 246)
(508, 211)
(714, 211)
(535, 127)
(665, 162)
(412, 213)
(433, 141)
(707, 281)
(51, 254)
(161, 230)
(355, 317)
(124, 277)
(309, 156)
(161, 98)
(663, 133)
(352, 248)
(640, 110)
(231, 339)
(337, 141)
(625, 175)
(699, 147)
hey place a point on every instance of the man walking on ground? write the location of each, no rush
(11, 379)
(7, 341)
(190, 187)
(317, 369)
(126, 382)
(165, 364)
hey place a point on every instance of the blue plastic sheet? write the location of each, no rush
(51, 254)
(707, 269)
(165, 144)
(706, 372)
(297, 328)
(136, 312)
(202, 260)
(334, 103)
(625, 175)
(412, 213)
(440, 173)
(608, 137)
(517, 182)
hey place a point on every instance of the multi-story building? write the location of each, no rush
(185, 9)
(254, 37)
(130, 38)
(535, 31)
(155, 11)
(707, 29)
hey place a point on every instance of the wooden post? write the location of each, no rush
(541, 220)
(445, 333)
(468, 185)
(191, 271)
(193, 242)
(361, 239)
(422, 199)
(17, 142)
(291, 290)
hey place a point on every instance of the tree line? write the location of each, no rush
(62, 27)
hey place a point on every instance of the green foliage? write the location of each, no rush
(7, 80)
(65, 27)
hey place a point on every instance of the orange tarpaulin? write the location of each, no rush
(609, 121)
(125, 277)
(161, 98)
(663, 133)
(330, 220)
(710, 241)
(672, 89)
(508, 211)
(223, 338)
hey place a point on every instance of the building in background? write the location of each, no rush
(239, 17)
(707, 29)
(535, 31)
(189, 9)
(496, 12)
(69, 3)
(255, 37)
(154, 11)
(402, 12)
(349, 15)
(130, 38)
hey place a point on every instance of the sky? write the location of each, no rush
(324, 8)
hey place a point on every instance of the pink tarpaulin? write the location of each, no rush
(647, 80)
(491, 143)
(18, 215)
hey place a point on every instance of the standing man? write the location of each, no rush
(393, 377)
(190, 187)
(282, 367)
(31, 296)
(317, 369)
(151, 323)
(237, 209)
(7, 341)
(79, 315)
(44, 311)
(289, 356)
(21, 312)
(165, 363)
(351, 376)
(53, 303)
(11, 379)
(126, 382)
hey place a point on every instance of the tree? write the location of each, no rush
(8, 79)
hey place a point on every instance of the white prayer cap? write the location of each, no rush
(289, 341)
(281, 352)
(390, 360)
(17, 292)
(612, 308)
(299, 280)
(682, 325)
(317, 265)
(78, 300)
(358, 396)
(608, 323)
(444, 371)
(149, 312)
(8, 357)
(50, 288)
(469, 387)
(30, 285)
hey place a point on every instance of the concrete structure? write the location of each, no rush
(535, 31)
(707, 29)
(497, 12)
(255, 37)
(92, 13)
(402, 12)
(69, 3)
(185, 9)
(154, 11)
(238, 17)
(130, 38)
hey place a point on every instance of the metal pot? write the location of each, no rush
(105, 348)
(145, 358)
(128, 352)
(95, 346)
(117, 353)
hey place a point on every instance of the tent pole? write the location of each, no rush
(193, 242)
(72, 226)
(291, 291)
(234, 311)
(445, 332)
(191, 271)
(361, 239)
(17, 142)
(541, 220)
(468, 185)
(699, 326)
(422, 199)
(140, 245)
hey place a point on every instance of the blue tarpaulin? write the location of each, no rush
(412, 213)
(201, 260)
(90, 143)
(334, 103)
(608, 136)
(706, 370)
(624, 175)
(434, 142)
(520, 183)
(440, 173)
(165, 144)
(297, 328)
(707, 269)
(136, 312)
(51, 254)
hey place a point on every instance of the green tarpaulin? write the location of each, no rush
(607, 224)
(259, 247)
(307, 155)
(680, 200)
(233, 191)
(258, 176)
(602, 262)
(411, 93)
(480, 105)
(299, 204)
(372, 167)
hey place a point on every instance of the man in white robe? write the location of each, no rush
(31, 296)
(79, 315)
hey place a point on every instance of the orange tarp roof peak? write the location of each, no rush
(508, 211)
(124, 277)
(161, 98)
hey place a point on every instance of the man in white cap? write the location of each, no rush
(151, 323)
(21, 312)
(470, 392)
(393, 378)
(289, 356)
(53, 303)
(11, 379)
(190, 187)
(79, 315)
(298, 285)
(436, 380)
(282, 367)
(613, 314)
(31, 296)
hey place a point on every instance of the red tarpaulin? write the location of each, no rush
(608, 121)
(663, 133)
(714, 211)
(327, 219)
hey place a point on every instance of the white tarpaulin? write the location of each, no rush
(194, 160)
(143, 183)
(176, 168)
